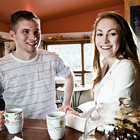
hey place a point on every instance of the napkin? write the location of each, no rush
(86, 106)
(78, 123)
(17, 138)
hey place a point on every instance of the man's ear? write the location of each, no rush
(12, 34)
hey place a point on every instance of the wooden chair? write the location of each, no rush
(59, 101)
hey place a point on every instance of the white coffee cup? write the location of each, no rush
(56, 124)
(14, 120)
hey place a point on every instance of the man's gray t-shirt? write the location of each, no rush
(31, 84)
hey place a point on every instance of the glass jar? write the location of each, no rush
(117, 121)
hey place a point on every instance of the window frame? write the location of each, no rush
(71, 41)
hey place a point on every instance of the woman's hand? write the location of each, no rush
(68, 110)
(2, 121)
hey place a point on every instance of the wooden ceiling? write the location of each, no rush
(48, 10)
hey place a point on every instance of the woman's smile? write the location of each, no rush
(106, 47)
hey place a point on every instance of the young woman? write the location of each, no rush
(118, 74)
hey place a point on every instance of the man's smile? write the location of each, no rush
(32, 43)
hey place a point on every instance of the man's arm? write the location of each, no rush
(2, 121)
(68, 89)
(2, 108)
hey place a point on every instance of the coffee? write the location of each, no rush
(53, 116)
(12, 111)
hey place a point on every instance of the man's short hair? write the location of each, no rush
(20, 15)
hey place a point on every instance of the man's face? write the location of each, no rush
(27, 37)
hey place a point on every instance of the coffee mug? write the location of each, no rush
(14, 120)
(56, 124)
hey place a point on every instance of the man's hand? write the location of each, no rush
(68, 110)
(2, 121)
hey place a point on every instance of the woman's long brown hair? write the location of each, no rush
(127, 49)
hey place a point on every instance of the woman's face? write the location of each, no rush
(107, 38)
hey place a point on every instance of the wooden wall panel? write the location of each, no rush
(127, 5)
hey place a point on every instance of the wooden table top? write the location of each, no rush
(35, 129)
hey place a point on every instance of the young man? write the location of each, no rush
(27, 75)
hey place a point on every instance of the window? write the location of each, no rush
(71, 53)
(88, 61)
(79, 56)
